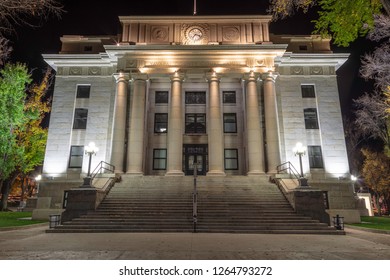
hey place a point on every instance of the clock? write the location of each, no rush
(195, 34)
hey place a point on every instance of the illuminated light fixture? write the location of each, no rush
(300, 150)
(90, 150)
(353, 178)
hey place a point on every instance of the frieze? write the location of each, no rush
(75, 71)
(296, 70)
(60, 71)
(94, 71)
(201, 63)
(316, 70)
(332, 71)
(195, 34)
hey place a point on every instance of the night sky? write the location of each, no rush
(96, 17)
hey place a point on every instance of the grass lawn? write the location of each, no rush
(14, 219)
(375, 223)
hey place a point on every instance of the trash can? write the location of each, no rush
(54, 220)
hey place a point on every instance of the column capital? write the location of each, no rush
(269, 76)
(213, 76)
(177, 77)
(121, 77)
(251, 77)
(139, 76)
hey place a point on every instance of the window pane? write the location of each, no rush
(229, 97)
(159, 159)
(195, 97)
(308, 91)
(76, 156)
(231, 159)
(80, 118)
(229, 123)
(83, 91)
(311, 121)
(195, 123)
(161, 97)
(315, 157)
(161, 123)
(230, 153)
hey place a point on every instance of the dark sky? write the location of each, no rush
(96, 17)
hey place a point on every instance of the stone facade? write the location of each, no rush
(219, 90)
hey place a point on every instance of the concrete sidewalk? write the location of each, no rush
(34, 243)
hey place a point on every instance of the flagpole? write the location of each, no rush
(194, 7)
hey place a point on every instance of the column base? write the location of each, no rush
(215, 173)
(255, 173)
(174, 173)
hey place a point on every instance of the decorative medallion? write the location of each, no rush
(160, 33)
(75, 71)
(316, 70)
(195, 34)
(231, 33)
(296, 70)
(94, 71)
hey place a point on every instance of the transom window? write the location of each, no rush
(308, 91)
(231, 159)
(80, 118)
(229, 97)
(161, 122)
(159, 159)
(83, 91)
(161, 97)
(195, 123)
(315, 157)
(195, 97)
(229, 123)
(76, 156)
(311, 120)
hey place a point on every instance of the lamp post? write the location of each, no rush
(37, 180)
(300, 150)
(90, 150)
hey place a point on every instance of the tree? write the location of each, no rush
(377, 164)
(28, 138)
(344, 20)
(18, 12)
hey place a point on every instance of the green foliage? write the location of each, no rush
(13, 82)
(382, 223)
(346, 20)
(14, 219)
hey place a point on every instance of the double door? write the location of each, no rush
(195, 156)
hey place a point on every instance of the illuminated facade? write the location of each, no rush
(217, 90)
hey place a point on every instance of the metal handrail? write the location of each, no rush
(102, 167)
(289, 167)
(195, 198)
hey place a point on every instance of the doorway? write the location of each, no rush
(195, 154)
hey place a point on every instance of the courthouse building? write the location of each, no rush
(218, 90)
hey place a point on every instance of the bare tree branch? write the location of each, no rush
(17, 12)
(5, 50)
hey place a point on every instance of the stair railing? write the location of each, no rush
(289, 168)
(102, 167)
(195, 198)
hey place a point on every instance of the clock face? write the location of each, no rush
(195, 34)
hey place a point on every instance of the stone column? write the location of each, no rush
(215, 127)
(255, 145)
(119, 123)
(271, 122)
(135, 147)
(175, 127)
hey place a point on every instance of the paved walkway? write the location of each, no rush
(34, 243)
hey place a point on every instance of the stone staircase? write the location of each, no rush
(236, 204)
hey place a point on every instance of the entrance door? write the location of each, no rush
(195, 154)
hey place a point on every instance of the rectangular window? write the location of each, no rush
(231, 159)
(195, 97)
(229, 123)
(83, 91)
(161, 122)
(159, 159)
(161, 97)
(80, 118)
(308, 91)
(229, 97)
(76, 156)
(195, 123)
(311, 120)
(315, 157)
